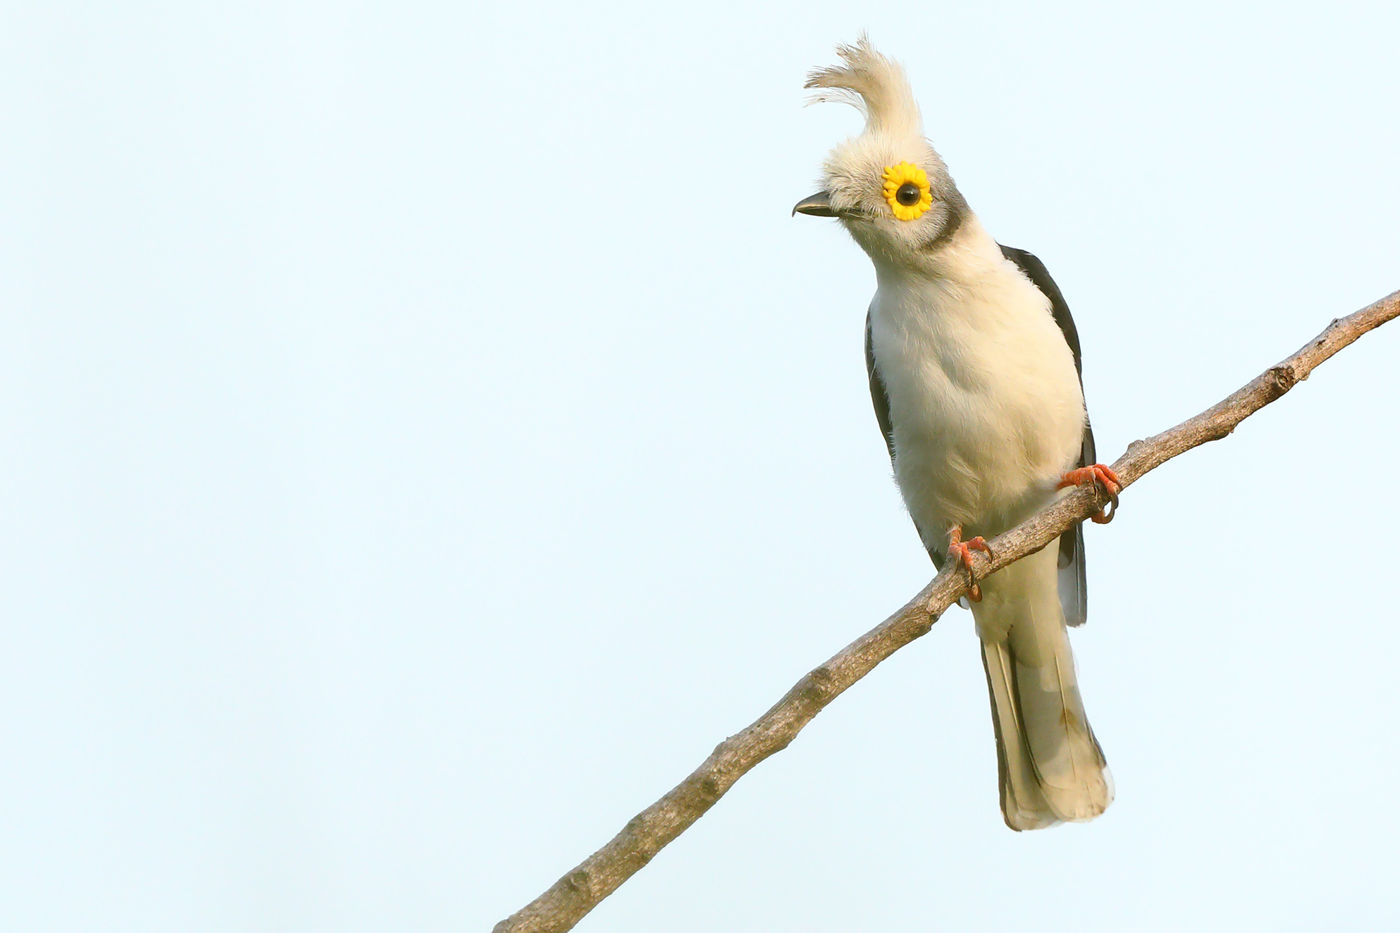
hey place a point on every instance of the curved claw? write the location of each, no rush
(1105, 515)
(1102, 477)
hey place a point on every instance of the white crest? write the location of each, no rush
(874, 85)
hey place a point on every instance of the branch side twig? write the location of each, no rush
(578, 892)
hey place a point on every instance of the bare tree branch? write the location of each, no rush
(578, 892)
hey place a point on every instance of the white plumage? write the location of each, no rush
(985, 414)
(984, 400)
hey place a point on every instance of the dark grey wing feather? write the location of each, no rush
(1074, 588)
(878, 394)
(881, 397)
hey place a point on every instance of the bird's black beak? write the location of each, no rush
(818, 205)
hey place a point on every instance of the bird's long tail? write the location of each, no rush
(1050, 764)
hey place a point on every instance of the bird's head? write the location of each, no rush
(887, 186)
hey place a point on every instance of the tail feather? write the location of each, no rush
(1051, 766)
(1022, 803)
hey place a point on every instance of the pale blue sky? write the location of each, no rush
(426, 434)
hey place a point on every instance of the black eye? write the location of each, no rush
(908, 194)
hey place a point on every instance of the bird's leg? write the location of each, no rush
(1102, 477)
(961, 551)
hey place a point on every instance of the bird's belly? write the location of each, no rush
(980, 438)
(958, 463)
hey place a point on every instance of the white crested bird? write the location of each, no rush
(975, 373)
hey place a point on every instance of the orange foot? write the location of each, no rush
(961, 551)
(1101, 476)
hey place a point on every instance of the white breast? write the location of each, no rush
(985, 404)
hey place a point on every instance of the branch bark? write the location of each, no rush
(578, 892)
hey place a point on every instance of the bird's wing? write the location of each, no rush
(881, 397)
(1073, 586)
(878, 394)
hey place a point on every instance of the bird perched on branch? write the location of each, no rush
(975, 373)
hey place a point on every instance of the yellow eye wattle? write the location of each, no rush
(907, 191)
